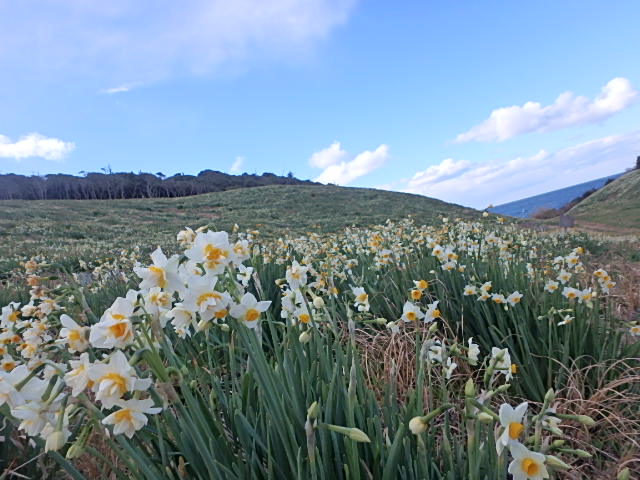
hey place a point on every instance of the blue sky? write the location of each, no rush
(408, 96)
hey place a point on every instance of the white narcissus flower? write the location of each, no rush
(527, 465)
(570, 293)
(296, 275)
(131, 416)
(470, 290)
(362, 299)
(73, 334)
(114, 329)
(112, 380)
(411, 312)
(551, 286)
(514, 298)
(432, 312)
(302, 314)
(512, 420)
(473, 352)
(78, 377)
(10, 315)
(249, 310)
(163, 273)
(240, 252)
(202, 297)
(244, 274)
(503, 365)
(564, 276)
(449, 367)
(181, 318)
(211, 249)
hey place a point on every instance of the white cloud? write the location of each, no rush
(341, 169)
(329, 156)
(568, 110)
(236, 166)
(35, 145)
(121, 88)
(148, 39)
(500, 181)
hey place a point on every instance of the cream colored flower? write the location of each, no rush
(131, 416)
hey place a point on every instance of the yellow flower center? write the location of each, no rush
(124, 415)
(208, 296)
(214, 255)
(436, 313)
(118, 316)
(252, 314)
(161, 274)
(423, 284)
(304, 317)
(220, 314)
(416, 294)
(362, 298)
(13, 316)
(74, 335)
(411, 316)
(119, 329)
(118, 380)
(8, 366)
(530, 466)
(515, 429)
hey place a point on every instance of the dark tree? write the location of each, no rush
(107, 185)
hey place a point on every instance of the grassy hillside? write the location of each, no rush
(615, 206)
(31, 227)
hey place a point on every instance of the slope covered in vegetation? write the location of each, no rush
(615, 205)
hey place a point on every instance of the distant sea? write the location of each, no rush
(555, 199)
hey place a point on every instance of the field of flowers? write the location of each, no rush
(472, 349)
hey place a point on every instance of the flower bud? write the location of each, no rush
(470, 388)
(224, 327)
(75, 451)
(313, 411)
(417, 425)
(484, 417)
(555, 463)
(318, 302)
(55, 441)
(358, 435)
(549, 396)
(304, 337)
(433, 327)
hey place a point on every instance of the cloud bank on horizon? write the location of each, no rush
(477, 184)
(568, 110)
